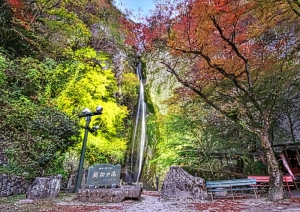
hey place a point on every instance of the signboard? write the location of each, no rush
(104, 175)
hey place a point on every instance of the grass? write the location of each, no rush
(12, 199)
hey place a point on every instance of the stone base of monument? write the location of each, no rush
(109, 195)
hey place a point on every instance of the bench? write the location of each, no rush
(233, 185)
(262, 182)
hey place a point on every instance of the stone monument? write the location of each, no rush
(103, 175)
(103, 185)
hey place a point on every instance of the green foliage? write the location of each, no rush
(31, 77)
(5, 14)
(129, 87)
(257, 168)
(16, 116)
(86, 80)
(89, 82)
(56, 26)
(15, 133)
(39, 145)
(41, 94)
(200, 140)
(56, 165)
(101, 150)
(68, 29)
(3, 66)
(57, 127)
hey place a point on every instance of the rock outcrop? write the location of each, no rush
(44, 187)
(179, 184)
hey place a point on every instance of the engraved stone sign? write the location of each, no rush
(104, 175)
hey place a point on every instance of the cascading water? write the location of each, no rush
(138, 144)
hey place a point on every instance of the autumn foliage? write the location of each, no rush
(20, 11)
(236, 55)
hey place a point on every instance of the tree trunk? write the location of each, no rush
(276, 183)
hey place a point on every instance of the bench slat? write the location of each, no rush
(215, 185)
(264, 181)
(286, 179)
(231, 185)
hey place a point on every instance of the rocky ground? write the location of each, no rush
(148, 202)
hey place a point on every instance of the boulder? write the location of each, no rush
(179, 184)
(44, 187)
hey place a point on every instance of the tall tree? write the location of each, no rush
(237, 58)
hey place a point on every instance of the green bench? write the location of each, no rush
(233, 186)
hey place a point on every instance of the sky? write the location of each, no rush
(142, 7)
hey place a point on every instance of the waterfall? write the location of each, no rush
(138, 142)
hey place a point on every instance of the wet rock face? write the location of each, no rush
(179, 184)
(109, 195)
(44, 187)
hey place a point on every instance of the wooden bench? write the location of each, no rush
(233, 185)
(262, 182)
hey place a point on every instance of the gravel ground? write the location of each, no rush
(150, 201)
